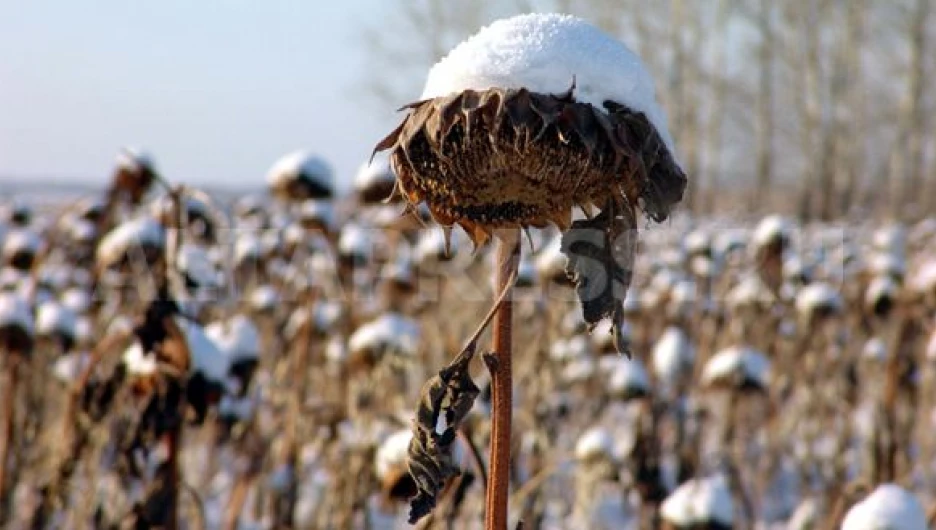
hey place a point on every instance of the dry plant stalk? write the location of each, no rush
(16, 345)
(500, 160)
(500, 365)
(10, 364)
(445, 401)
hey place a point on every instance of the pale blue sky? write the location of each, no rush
(215, 89)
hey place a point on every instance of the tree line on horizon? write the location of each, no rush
(818, 107)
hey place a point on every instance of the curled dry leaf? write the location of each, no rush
(600, 254)
(445, 401)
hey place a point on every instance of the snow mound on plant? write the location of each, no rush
(300, 164)
(52, 317)
(138, 361)
(627, 376)
(376, 171)
(544, 53)
(140, 231)
(207, 357)
(238, 337)
(69, 367)
(15, 311)
(134, 159)
(550, 261)
(17, 241)
(818, 295)
(699, 501)
(195, 262)
(738, 361)
(924, 280)
(888, 506)
(392, 452)
(770, 229)
(318, 210)
(390, 330)
(594, 443)
(673, 354)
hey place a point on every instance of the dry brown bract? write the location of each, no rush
(506, 158)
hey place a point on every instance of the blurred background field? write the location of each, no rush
(782, 322)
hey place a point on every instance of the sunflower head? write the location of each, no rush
(512, 158)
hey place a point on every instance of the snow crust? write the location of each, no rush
(356, 240)
(544, 53)
(627, 375)
(14, 311)
(875, 349)
(143, 230)
(602, 337)
(264, 298)
(237, 407)
(749, 291)
(924, 280)
(431, 245)
(699, 501)
(374, 172)
(392, 453)
(207, 357)
(880, 288)
(390, 330)
(165, 204)
(697, 241)
(247, 246)
(237, 337)
(673, 354)
(53, 317)
(81, 230)
(593, 443)
(196, 263)
(550, 261)
(886, 263)
(69, 367)
(138, 361)
(318, 210)
(771, 228)
(569, 349)
(300, 164)
(888, 506)
(135, 159)
(17, 241)
(891, 239)
(739, 360)
(816, 295)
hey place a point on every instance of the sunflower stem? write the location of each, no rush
(499, 363)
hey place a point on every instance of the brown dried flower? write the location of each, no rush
(512, 158)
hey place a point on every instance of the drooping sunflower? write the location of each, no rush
(493, 144)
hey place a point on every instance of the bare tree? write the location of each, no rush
(709, 175)
(802, 17)
(416, 34)
(915, 118)
(851, 115)
(765, 100)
